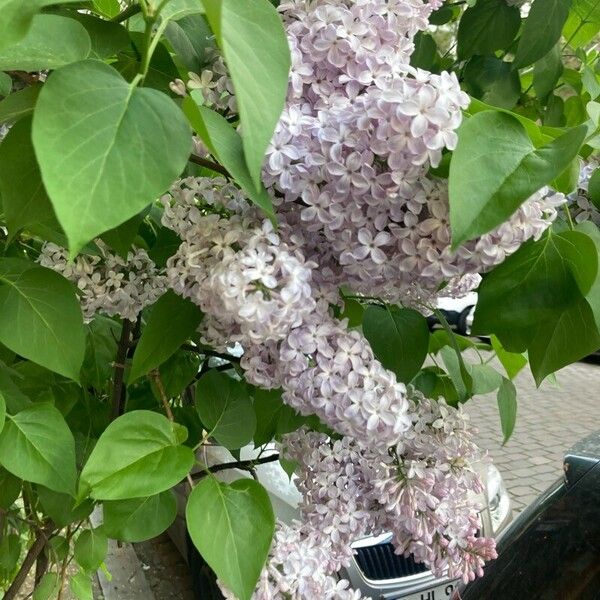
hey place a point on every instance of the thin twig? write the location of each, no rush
(130, 11)
(118, 396)
(209, 164)
(244, 465)
(206, 352)
(155, 375)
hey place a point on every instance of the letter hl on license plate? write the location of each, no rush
(439, 592)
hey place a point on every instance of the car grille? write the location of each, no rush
(380, 562)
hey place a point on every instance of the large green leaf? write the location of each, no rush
(273, 417)
(399, 338)
(90, 549)
(51, 42)
(583, 22)
(567, 338)
(37, 445)
(489, 25)
(253, 41)
(81, 586)
(495, 167)
(17, 17)
(172, 321)
(541, 31)
(24, 198)
(535, 285)
(225, 409)
(507, 407)
(178, 9)
(225, 144)
(106, 37)
(512, 362)
(139, 519)
(139, 454)
(40, 317)
(106, 149)
(232, 527)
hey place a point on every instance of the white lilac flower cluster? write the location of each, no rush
(106, 282)
(351, 152)
(325, 369)
(417, 491)
(253, 287)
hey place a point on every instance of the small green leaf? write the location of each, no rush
(5, 84)
(232, 527)
(81, 586)
(253, 41)
(90, 549)
(226, 145)
(594, 188)
(24, 198)
(40, 317)
(485, 378)
(173, 320)
(110, 153)
(10, 488)
(109, 8)
(100, 351)
(177, 372)
(10, 552)
(61, 507)
(513, 362)
(507, 407)
(139, 454)
(488, 26)
(190, 37)
(37, 445)
(541, 31)
(493, 81)
(47, 586)
(504, 168)
(546, 73)
(178, 9)
(225, 408)
(399, 338)
(51, 42)
(106, 37)
(458, 373)
(273, 417)
(139, 519)
(18, 104)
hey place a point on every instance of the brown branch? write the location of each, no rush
(244, 465)
(155, 375)
(30, 559)
(118, 392)
(209, 164)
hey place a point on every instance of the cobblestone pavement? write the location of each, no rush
(549, 420)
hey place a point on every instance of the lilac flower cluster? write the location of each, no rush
(580, 206)
(106, 282)
(426, 491)
(351, 152)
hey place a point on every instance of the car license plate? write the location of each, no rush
(439, 592)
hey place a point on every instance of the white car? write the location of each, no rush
(375, 569)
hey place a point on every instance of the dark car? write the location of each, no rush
(552, 550)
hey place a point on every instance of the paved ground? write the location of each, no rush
(549, 420)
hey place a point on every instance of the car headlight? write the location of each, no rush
(497, 497)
